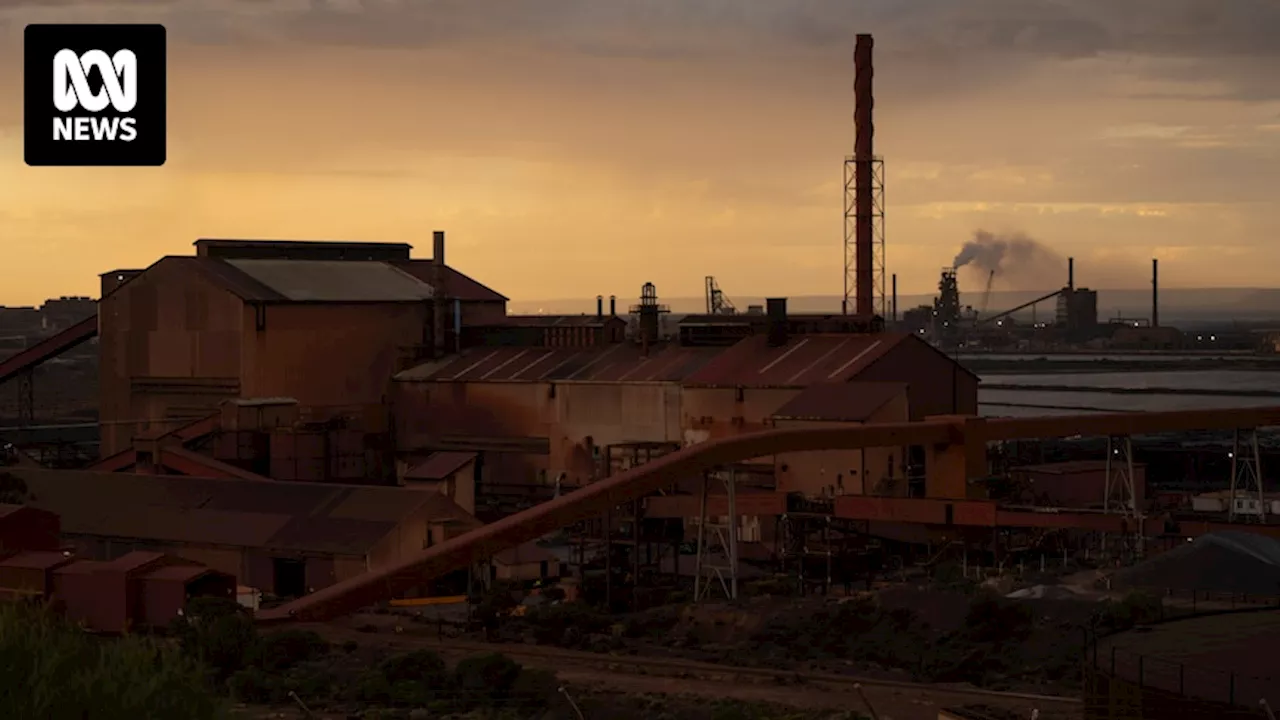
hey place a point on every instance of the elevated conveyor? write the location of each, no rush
(49, 348)
(968, 434)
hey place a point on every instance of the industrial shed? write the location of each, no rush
(249, 318)
(26, 528)
(544, 411)
(548, 412)
(283, 538)
(874, 471)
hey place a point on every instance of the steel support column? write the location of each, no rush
(717, 557)
(1121, 492)
(26, 397)
(1246, 474)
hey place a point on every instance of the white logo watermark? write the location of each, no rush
(71, 90)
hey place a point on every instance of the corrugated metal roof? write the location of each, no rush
(35, 560)
(240, 513)
(560, 320)
(439, 465)
(623, 362)
(335, 280)
(802, 361)
(224, 276)
(177, 573)
(456, 285)
(330, 534)
(840, 402)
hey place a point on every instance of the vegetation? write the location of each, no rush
(274, 667)
(63, 671)
(13, 491)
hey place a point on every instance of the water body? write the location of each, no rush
(1071, 393)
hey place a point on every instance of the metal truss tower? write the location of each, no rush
(874, 219)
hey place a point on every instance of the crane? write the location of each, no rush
(717, 303)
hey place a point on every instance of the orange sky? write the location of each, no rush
(574, 148)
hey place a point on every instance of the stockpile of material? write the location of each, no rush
(1225, 562)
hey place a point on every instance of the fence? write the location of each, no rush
(1185, 680)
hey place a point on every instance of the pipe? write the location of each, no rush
(438, 301)
(864, 159)
(599, 306)
(1155, 293)
(457, 325)
(894, 305)
(613, 305)
(1071, 273)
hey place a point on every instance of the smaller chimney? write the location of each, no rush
(893, 306)
(1155, 293)
(1071, 273)
(439, 297)
(599, 306)
(776, 323)
(613, 305)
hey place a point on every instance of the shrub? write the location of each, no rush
(566, 624)
(414, 678)
(217, 632)
(281, 650)
(534, 689)
(64, 671)
(486, 678)
(1137, 608)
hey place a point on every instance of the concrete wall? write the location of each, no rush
(165, 323)
(875, 471)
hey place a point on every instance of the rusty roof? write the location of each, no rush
(456, 285)
(802, 361)
(244, 285)
(36, 560)
(623, 362)
(439, 465)
(840, 402)
(316, 517)
(177, 573)
(336, 281)
(560, 320)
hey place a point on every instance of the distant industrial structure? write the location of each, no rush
(1072, 321)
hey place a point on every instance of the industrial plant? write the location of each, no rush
(1059, 319)
(336, 426)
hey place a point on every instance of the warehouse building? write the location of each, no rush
(286, 539)
(250, 319)
(543, 415)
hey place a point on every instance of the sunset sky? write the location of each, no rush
(582, 147)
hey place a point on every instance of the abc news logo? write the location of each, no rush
(107, 105)
(71, 90)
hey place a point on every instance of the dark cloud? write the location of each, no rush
(1234, 39)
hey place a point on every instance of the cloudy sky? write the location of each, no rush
(582, 147)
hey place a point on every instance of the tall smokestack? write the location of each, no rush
(863, 156)
(1071, 273)
(894, 305)
(1155, 292)
(439, 301)
(613, 306)
(599, 306)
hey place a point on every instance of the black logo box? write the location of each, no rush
(42, 42)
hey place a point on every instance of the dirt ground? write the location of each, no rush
(592, 672)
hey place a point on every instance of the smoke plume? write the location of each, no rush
(1014, 256)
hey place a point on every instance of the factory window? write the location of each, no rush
(290, 577)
